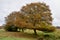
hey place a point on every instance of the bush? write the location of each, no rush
(47, 36)
(11, 28)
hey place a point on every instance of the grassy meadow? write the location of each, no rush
(29, 35)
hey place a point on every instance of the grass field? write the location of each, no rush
(13, 38)
(28, 35)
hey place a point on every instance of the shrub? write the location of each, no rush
(11, 28)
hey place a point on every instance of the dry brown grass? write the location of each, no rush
(18, 35)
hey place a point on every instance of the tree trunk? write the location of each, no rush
(35, 32)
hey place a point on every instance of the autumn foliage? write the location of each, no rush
(36, 16)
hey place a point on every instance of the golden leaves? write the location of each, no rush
(34, 15)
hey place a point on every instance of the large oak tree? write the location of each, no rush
(36, 16)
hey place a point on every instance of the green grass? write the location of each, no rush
(52, 36)
(12, 38)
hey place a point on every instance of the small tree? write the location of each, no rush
(10, 19)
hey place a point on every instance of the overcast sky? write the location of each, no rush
(8, 6)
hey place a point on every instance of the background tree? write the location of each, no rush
(10, 19)
(15, 20)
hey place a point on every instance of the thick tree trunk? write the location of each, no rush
(35, 32)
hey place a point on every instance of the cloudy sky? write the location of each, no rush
(8, 6)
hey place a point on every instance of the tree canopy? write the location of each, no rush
(32, 16)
